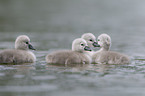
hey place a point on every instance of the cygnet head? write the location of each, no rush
(23, 43)
(80, 45)
(90, 39)
(104, 41)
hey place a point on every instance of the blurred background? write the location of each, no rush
(71, 15)
(60, 20)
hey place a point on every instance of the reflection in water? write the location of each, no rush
(101, 68)
(16, 71)
(70, 67)
(24, 68)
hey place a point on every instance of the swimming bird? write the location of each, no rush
(20, 54)
(104, 56)
(91, 41)
(77, 55)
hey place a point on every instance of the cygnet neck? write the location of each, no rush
(78, 51)
(105, 48)
(21, 48)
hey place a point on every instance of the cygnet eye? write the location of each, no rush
(91, 40)
(82, 44)
(27, 42)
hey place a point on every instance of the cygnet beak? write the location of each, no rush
(95, 44)
(31, 47)
(87, 48)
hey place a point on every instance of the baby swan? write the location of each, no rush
(104, 56)
(91, 41)
(75, 56)
(20, 54)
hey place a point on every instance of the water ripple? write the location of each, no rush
(44, 77)
(36, 88)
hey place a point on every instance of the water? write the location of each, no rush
(52, 25)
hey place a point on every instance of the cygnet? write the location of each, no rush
(91, 41)
(77, 55)
(20, 54)
(104, 56)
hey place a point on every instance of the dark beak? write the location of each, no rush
(95, 44)
(87, 48)
(31, 47)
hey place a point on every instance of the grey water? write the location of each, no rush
(53, 25)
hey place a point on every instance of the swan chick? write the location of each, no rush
(20, 54)
(77, 55)
(104, 56)
(90, 39)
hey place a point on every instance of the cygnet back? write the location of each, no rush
(75, 56)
